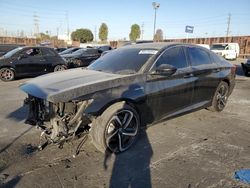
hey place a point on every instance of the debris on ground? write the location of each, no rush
(243, 175)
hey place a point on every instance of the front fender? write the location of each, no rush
(133, 94)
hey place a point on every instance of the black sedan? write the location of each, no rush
(126, 89)
(29, 61)
(246, 67)
(82, 57)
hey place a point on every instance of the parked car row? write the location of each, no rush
(32, 61)
(81, 57)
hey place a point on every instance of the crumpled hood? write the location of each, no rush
(66, 85)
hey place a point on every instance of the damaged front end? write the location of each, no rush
(59, 122)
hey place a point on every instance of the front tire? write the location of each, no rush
(116, 129)
(7, 74)
(220, 97)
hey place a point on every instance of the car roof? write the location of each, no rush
(23, 47)
(152, 45)
(155, 45)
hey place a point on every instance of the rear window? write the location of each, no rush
(199, 56)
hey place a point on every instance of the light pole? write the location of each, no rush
(155, 6)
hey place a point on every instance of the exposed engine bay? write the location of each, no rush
(59, 122)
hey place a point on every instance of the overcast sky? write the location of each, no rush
(209, 17)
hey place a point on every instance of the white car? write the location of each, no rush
(229, 51)
(204, 46)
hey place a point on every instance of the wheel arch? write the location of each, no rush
(227, 81)
(8, 66)
(127, 101)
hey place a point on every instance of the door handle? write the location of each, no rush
(188, 75)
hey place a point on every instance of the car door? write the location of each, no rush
(30, 61)
(21, 62)
(51, 59)
(205, 71)
(169, 94)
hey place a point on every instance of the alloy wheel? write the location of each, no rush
(222, 95)
(6, 74)
(121, 131)
(59, 68)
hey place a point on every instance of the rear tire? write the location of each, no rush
(59, 68)
(7, 74)
(220, 97)
(116, 129)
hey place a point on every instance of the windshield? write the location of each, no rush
(123, 61)
(218, 47)
(67, 51)
(79, 52)
(12, 52)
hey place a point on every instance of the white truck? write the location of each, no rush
(229, 51)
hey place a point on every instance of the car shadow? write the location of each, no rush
(19, 114)
(11, 183)
(132, 168)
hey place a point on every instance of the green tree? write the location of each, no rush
(103, 32)
(158, 35)
(135, 32)
(44, 36)
(82, 35)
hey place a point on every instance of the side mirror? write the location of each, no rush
(165, 69)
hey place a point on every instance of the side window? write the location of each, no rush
(48, 52)
(173, 56)
(231, 47)
(199, 56)
(33, 52)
